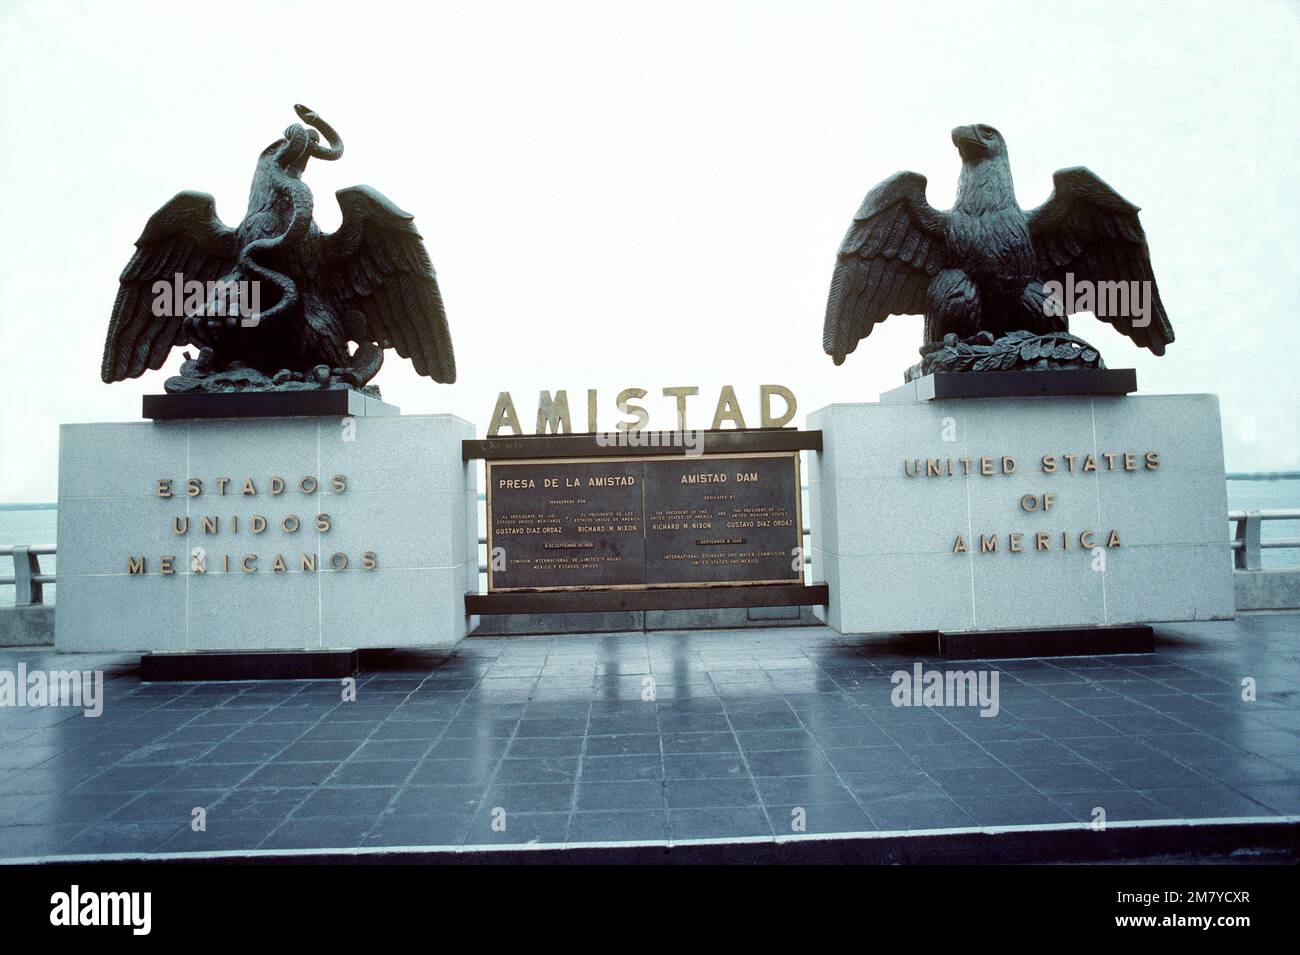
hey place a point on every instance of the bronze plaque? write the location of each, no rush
(565, 524)
(723, 520)
(608, 523)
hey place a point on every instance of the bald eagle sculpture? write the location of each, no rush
(987, 273)
(274, 303)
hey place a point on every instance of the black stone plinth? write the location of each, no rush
(666, 598)
(244, 665)
(1056, 642)
(1017, 384)
(343, 402)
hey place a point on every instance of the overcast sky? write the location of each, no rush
(649, 194)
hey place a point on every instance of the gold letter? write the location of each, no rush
(553, 413)
(728, 409)
(681, 394)
(765, 393)
(641, 416)
(503, 416)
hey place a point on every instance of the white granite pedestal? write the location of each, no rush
(967, 515)
(300, 533)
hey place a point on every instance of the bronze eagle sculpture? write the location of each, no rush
(995, 283)
(274, 303)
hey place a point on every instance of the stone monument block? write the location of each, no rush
(1020, 513)
(265, 534)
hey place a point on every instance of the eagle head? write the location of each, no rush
(978, 142)
(291, 151)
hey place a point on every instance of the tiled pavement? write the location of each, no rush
(747, 731)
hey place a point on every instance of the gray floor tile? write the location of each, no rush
(628, 826)
(800, 818)
(624, 795)
(732, 822)
(748, 735)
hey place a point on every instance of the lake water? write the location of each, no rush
(37, 526)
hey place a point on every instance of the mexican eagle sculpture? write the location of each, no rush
(996, 283)
(192, 279)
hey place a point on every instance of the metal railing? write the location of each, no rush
(1247, 544)
(1247, 553)
(27, 579)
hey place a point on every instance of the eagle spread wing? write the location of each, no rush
(376, 264)
(1089, 230)
(892, 250)
(184, 236)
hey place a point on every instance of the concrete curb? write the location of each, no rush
(1057, 843)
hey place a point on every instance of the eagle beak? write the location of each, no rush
(968, 142)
